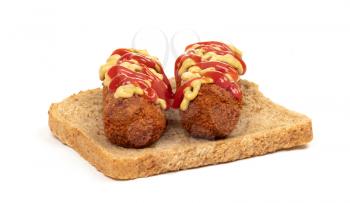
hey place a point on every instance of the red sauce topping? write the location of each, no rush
(152, 86)
(179, 62)
(219, 74)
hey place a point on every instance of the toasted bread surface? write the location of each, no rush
(263, 127)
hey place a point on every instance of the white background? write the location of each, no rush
(297, 51)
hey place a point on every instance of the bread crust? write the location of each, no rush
(263, 127)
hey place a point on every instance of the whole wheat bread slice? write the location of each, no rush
(263, 127)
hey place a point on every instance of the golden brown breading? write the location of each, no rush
(132, 122)
(213, 114)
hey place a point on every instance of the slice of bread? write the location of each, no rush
(263, 127)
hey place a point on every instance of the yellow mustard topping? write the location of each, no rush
(129, 90)
(185, 65)
(136, 67)
(189, 75)
(161, 103)
(111, 61)
(160, 76)
(140, 51)
(191, 92)
(194, 72)
(194, 69)
(131, 66)
(235, 49)
(126, 91)
(211, 56)
(189, 70)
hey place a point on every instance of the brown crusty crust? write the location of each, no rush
(213, 114)
(132, 122)
(263, 127)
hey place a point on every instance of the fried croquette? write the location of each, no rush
(133, 122)
(213, 114)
